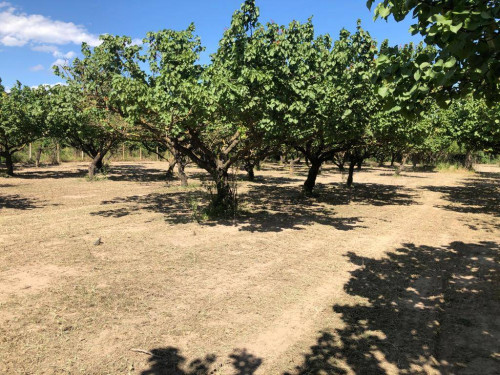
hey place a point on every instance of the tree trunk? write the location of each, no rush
(181, 164)
(393, 158)
(468, 162)
(414, 161)
(224, 198)
(311, 176)
(181, 173)
(249, 169)
(401, 167)
(292, 165)
(170, 170)
(359, 163)
(350, 177)
(95, 165)
(380, 160)
(38, 155)
(9, 163)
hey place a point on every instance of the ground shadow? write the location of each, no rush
(177, 207)
(136, 173)
(369, 194)
(265, 209)
(52, 174)
(169, 361)
(17, 202)
(476, 195)
(427, 309)
(117, 172)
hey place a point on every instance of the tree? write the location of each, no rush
(22, 119)
(211, 114)
(402, 134)
(474, 126)
(466, 35)
(75, 121)
(324, 96)
(83, 113)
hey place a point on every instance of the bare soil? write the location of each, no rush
(399, 275)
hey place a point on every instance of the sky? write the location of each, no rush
(36, 34)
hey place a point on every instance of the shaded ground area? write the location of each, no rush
(420, 314)
(398, 275)
(16, 201)
(477, 195)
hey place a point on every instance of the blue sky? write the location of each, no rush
(35, 34)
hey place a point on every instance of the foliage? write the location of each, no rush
(466, 37)
(23, 113)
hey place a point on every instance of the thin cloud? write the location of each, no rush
(54, 50)
(19, 29)
(37, 68)
(60, 62)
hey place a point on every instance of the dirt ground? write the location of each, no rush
(399, 275)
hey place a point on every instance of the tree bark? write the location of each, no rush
(468, 162)
(380, 160)
(170, 170)
(249, 168)
(292, 165)
(38, 155)
(393, 158)
(224, 198)
(350, 177)
(95, 165)
(414, 161)
(182, 174)
(310, 182)
(401, 167)
(359, 163)
(9, 163)
(181, 164)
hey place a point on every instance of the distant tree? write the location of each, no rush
(83, 113)
(82, 125)
(474, 126)
(22, 119)
(324, 96)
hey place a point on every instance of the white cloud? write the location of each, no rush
(60, 62)
(36, 68)
(4, 4)
(11, 41)
(137, 42)
(54, 50)
(19, 29)
(67, 55)
(45, 48)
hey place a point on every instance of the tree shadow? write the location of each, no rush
(51, 174)
(177, 207)
(17, 202)
(426, 309)
(476, 195)
(267, 209)
(403, 175)
(169, 361)
(369, 194)
(136, 173)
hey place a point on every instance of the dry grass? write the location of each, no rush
(398, 275)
